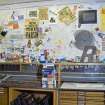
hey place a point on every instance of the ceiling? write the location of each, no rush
(19, 1)
(6, 2)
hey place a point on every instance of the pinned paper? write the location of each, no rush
(43, 13)
(102, 19)
(31, 28)
(66, 15)
(14, 16)
(13, 25)
(33, 13)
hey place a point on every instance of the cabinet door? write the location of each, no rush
(3, 96)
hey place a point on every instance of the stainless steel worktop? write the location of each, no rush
(10, 80)
(83, 86)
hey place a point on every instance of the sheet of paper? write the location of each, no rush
(102, 19)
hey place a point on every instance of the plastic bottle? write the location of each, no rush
(44, 81)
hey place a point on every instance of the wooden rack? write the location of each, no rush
(14, 92)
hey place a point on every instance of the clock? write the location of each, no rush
(84, 38)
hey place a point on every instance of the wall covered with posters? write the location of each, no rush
(60, 32)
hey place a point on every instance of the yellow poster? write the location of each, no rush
(66, 15)
(31, 28)
(43, 13)
(102, 19)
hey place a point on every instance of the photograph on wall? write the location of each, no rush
(16, 23)
(13, 23)
(32, 13)
(21, 17)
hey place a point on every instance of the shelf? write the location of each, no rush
(14, 92)
(19, 63)
(70, 63)
(60, 63)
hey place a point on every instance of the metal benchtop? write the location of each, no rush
(83, 86)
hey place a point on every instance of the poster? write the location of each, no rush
(32, 12)
(102, 19)
(31, 28)
(66, 16)
(43, 13)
